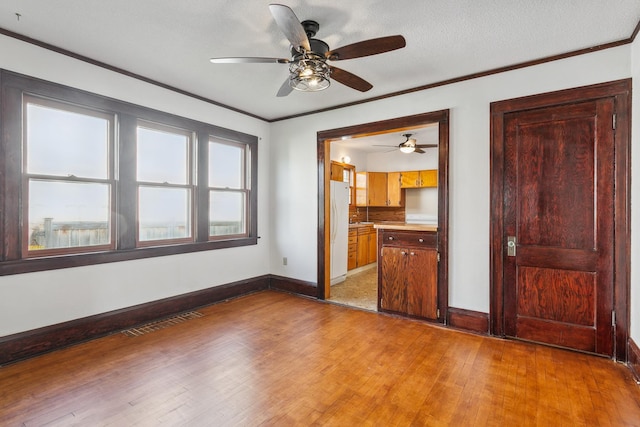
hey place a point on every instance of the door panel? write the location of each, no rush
(558, 288)
(393, 296)
(422, 279)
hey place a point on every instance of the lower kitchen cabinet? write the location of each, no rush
(352, 257)
(367, 247)
(408, 273)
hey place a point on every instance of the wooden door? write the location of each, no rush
(394, 192)
(377, 188)
(429, 178)
(410, 179)
(373, 246)
(393, 295)
(422, 283)
(559, 215)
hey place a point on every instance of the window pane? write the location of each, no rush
(64, 143)
(164, 213)
(162, 156)
(226, 213)
(226, 165)
(68, 214)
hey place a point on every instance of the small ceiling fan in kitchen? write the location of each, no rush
(410, 145)
(308, 68)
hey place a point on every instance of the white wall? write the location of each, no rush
(33, 300)
(288, 182)
(295, 218)
(635, 195)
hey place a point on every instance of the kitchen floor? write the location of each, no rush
(360, 289)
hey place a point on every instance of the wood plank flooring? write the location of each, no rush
(276, 359)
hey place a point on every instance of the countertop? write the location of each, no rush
(396, 225)
(405, 226)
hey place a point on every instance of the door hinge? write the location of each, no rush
(614, 120)
(613, 318)
(438, 256)
(437, 313)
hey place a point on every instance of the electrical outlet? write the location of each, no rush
(284, 260)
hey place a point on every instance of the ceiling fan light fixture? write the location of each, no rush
(407, 148)
(310, 73)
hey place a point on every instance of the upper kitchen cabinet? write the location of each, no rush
(395, 195)
(419, 179)
(371, 189)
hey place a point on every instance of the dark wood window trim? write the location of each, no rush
(12, 259)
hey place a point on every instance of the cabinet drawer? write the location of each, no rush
(420, 239)
(353, 239)
(365, 230)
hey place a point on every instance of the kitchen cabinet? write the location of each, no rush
(337, 171)
(371, 189)
(367, 246)
(395, 195)
(408, 273)
(352, 253)
(419, 179)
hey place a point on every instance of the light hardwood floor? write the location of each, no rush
(276, 359)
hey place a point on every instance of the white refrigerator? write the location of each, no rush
(339, 223)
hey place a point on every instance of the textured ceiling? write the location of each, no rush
(171, 41)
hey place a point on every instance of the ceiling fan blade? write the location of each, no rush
(249, 60)
(285, 89)
(351, 80)
(367, 47)
(290, 25)
(374, 145)
(419, 150)
(426, 145)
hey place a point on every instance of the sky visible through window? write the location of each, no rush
(65, 143)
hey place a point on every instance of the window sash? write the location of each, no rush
(221, 225)
(74, 229)
(14, 253)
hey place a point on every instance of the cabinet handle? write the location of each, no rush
(421, 240)
(403, 253)
(390, 237)
(413, 253)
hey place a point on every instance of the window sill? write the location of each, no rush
(31, 265)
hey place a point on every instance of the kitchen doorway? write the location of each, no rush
(395, 126)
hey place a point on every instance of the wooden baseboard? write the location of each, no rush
(633, 353)
(468, 320)
(31, 343)
(294, 286)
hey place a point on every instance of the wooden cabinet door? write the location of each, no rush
(429, 178)
(337, 172)
(394, 191)
(393, 290)
(373, 246)
(361, 189)
(410, 179)
(377, 188)
(422, 283)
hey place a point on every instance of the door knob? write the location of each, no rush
(511, 245)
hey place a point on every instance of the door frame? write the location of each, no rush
(620, 92)
(398, 124)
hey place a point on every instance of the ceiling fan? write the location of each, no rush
(410, 145)
(308, 68)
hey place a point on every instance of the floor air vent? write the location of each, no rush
(161, 324)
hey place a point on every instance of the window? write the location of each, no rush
(228, 189)
(68, 178)
(164, 175)
(87, 179)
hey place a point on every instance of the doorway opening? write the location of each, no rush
(360, 287)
